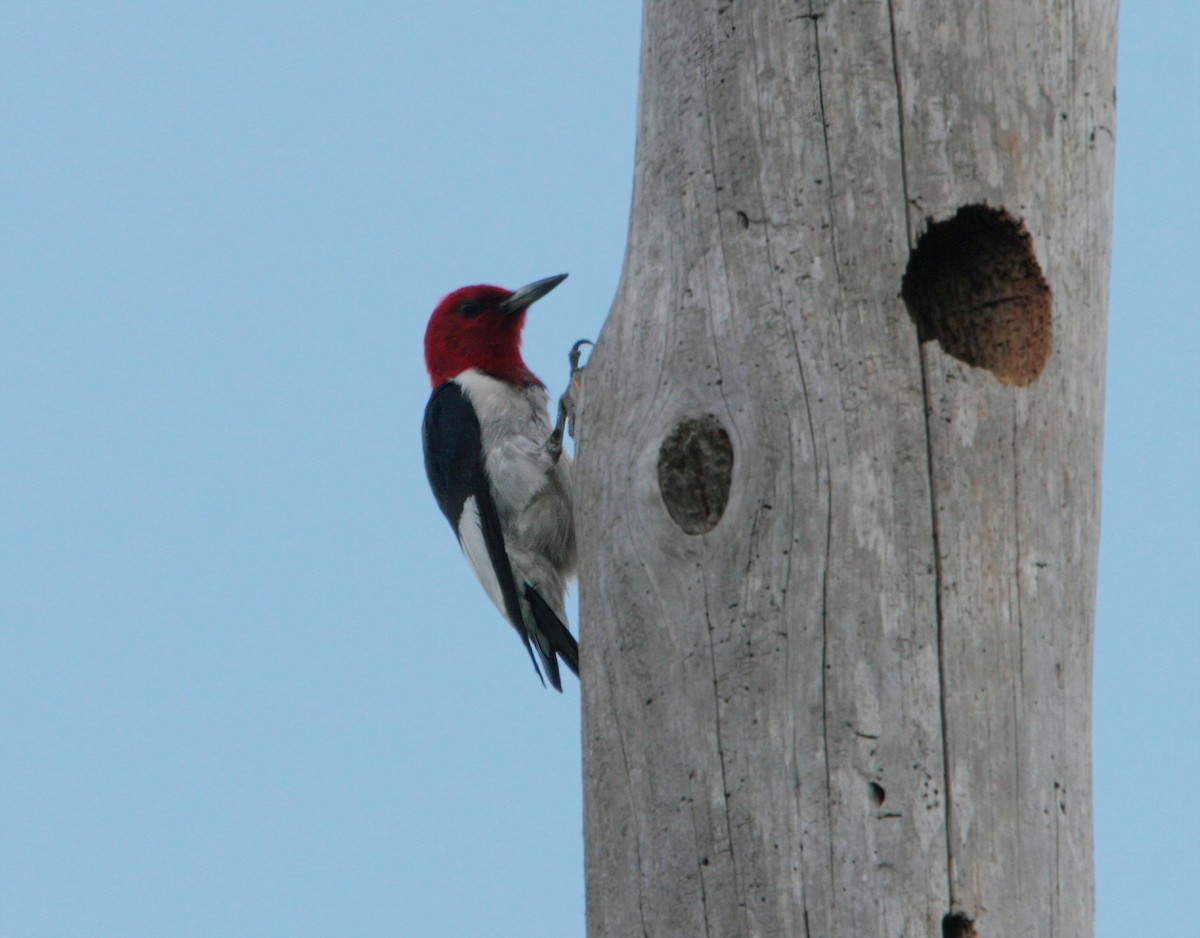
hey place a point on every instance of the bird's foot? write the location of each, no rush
(566, 403)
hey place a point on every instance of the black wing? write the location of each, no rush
(454, 464)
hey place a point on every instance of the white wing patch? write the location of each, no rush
(470, 534)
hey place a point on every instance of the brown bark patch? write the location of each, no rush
(974, 286)
(695, 469)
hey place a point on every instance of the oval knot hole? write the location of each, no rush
(974, 285)
(695, 469)
(958, 925)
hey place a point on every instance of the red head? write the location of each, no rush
(480, 327)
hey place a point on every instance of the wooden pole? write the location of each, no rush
(838, 474)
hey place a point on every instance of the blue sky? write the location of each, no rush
(247, 686)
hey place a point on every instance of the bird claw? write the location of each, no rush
(573, 357)
(566, 403)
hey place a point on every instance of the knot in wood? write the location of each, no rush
(695, 470)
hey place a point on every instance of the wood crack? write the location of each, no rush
(712, 168)
(825, 676)
(930, 467)
(814, 18)
(712, 657)
(700, 872)
(900, 123)
(938, 575)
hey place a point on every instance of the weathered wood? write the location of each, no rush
(897, 595)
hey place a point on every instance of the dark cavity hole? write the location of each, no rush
(878, 795)
(974, 286)
(957, 925)
(695, 468)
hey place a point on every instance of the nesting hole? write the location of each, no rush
(695, 469)
(958, 925)
(878, 795)
(974, 286)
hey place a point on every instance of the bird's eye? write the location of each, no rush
(470, 308)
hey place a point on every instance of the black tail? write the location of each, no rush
(553, 638)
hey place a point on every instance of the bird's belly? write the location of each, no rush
(533, 500)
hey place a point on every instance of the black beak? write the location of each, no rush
(530, 294)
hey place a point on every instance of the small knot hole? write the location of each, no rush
(958, 925)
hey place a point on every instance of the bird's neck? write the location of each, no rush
(502, 363)
(514, 372)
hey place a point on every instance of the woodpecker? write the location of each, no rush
(498, 476)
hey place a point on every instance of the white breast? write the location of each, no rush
(531, 489)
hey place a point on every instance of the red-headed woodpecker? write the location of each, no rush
(502, 483)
